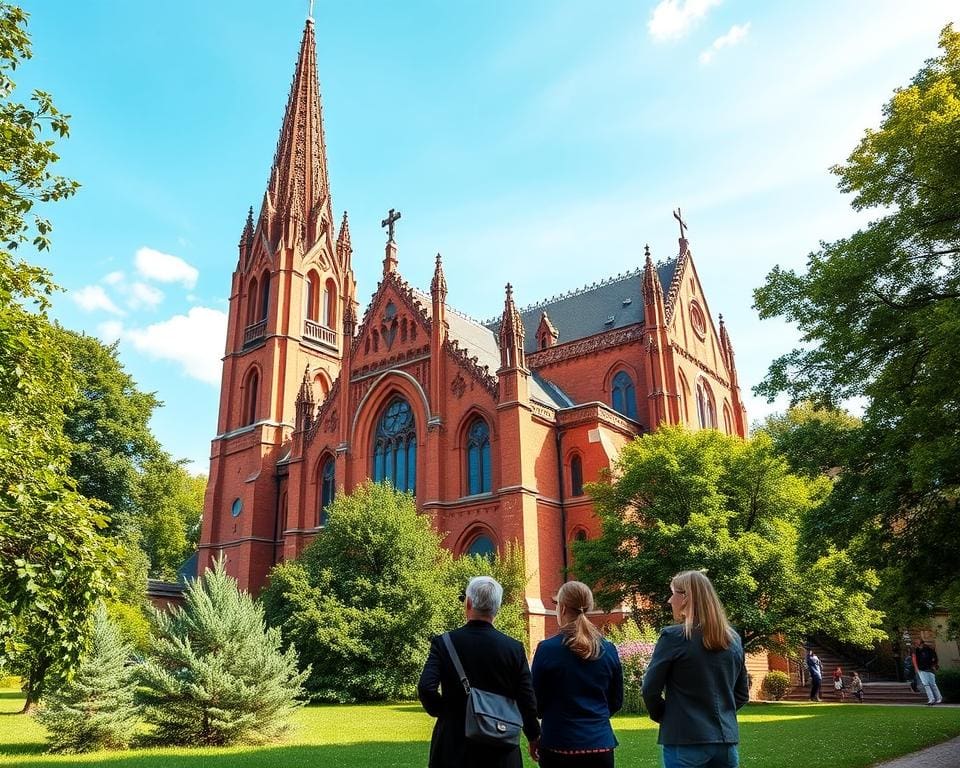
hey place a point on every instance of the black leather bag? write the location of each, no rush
(491, 718)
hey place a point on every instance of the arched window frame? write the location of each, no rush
(264, 296)
(253, 296)
(330, 303)
(706, 408)
(251, 397)
(313, 296)
(623, 394)
(326, 488)
(576, 475)
(395, 446)
(479, 469)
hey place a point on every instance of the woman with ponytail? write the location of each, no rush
(579, 684)
(699, 663)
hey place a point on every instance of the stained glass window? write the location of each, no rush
(482, 545)
(327, 489)
(624, 395)
(478, 457)
(576, 476)
(395, 447)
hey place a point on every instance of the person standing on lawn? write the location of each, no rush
(492, 662)
(816, 674)
(926, 664)
(699, 664)
(578, 680)
(856, 685)
(838, 683)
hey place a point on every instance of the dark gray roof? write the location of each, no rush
(613, 303)
(481, 342)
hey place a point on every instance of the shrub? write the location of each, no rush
(776, 684)
(635, 647)
(96, 709)
(216, 674)
(948, 681)
(362, 601)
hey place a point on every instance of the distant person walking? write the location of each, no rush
(816, 674)
(926, 664)
(699, 664)
(838, 683)
(856, 685)
(578, 681)
(492, 662)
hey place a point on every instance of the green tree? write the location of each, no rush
(362, 601)
(703, 500)
(879, 316)
(215, 674)
(95, 709)
(814, 441)
(54, 564)
(108, 425)
(170, 501)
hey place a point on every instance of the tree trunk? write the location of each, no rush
(38, 672)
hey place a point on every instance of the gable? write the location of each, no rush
(394, 325)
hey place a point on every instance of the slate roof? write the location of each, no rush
(612, 303)
(481, 342)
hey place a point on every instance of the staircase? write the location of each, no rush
(875, 690)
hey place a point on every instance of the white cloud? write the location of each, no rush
(92, 298)
(143, 295)
(194, 340)
(672, 19)
(165, 268)
(113, 278)
(110, 331)
(736, 35)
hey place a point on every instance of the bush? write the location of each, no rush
(635, 647)
(948, 681)
(96, 709)
(362, 601)
(776, 684)
(215, 674)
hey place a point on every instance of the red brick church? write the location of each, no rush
(495, 427)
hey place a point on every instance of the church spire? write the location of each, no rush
(511, 335)
(344, 248)
(298, 191)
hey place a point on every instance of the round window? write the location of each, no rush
(237, 507)
(698, 320)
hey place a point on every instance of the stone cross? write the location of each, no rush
(683, 224)
(388, 222)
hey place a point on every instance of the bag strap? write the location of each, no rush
(456, 662)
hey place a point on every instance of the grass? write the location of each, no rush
(397, 736)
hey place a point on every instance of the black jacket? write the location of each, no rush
(704, 689)
(492, 662)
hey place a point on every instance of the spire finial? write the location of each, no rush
(683, 224)
(389, 222)
(310, 13)
(509, 289)
(438, 286)
(646, 251)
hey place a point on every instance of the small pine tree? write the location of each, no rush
(216, 674)
(95, 710)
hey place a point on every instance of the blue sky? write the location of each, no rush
(541, 143)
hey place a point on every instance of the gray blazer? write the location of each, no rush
(704, 689)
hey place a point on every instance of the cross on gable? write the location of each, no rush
(389, 222)
(683, 224)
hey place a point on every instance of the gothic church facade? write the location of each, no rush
(495, 427)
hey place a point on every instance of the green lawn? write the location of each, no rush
(397, 735)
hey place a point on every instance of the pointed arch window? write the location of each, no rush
(706, 410)
(483, 546)
(253, 295)
(395, 447)
(325, 477)
(313, 297)
(576, 475)
(479, 475)
(264, 296)
(624, 395)
(251, 394)
(329, 303)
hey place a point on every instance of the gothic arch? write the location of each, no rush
(574, 467)
(727, 418)
(330, 303)
(250, 395)
(389, 385)
(471, 413)
(470, 534)
(322, 383)
(683, 390)
(264, 299)
(474, 446)
(619, 365)
(313, 296)
(706, 405)
(253, 293)
(324, 482)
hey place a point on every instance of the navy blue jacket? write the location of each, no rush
(704, 689)
(576, 697)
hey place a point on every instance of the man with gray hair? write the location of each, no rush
(492, 662)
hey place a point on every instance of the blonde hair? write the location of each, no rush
(703, 609)
(579, 635)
